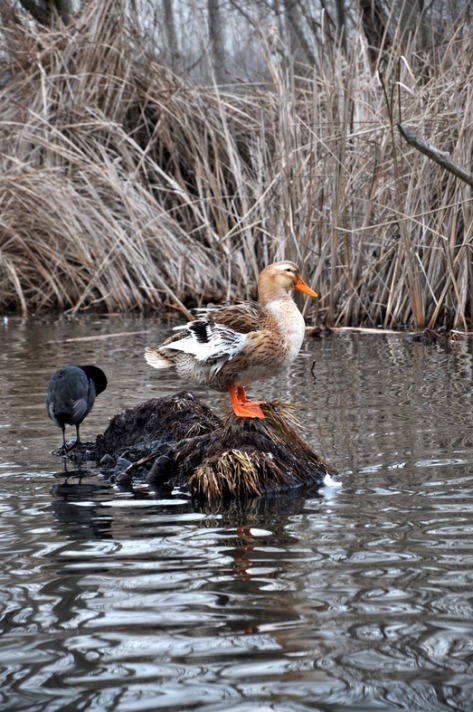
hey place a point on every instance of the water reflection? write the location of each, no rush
(357, 597)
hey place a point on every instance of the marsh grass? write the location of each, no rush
(125, 187)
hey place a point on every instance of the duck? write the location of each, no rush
(71, 395)
(228, 347)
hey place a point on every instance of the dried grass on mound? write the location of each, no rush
(255, 457)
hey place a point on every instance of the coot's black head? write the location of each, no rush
(97, 375)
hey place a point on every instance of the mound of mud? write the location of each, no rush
(178, 442)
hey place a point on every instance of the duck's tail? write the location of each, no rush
(155, 359)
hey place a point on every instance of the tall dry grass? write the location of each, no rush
(124, 187)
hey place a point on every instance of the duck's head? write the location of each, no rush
(279, 278)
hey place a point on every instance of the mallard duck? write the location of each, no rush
(71, 395)
(229, 347)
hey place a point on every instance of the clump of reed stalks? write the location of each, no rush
(124, 187)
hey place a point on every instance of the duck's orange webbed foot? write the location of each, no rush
(242, 407)
(241, 395)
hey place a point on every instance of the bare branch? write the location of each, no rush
(440, 157)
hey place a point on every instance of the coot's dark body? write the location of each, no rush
(71, 394)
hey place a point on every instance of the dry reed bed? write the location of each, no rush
(123, 187)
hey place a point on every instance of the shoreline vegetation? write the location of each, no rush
(125, 186)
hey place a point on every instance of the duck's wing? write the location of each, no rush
(218, 335)
(207, 341)
(242, 318)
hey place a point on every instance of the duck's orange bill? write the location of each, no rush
(301, 286)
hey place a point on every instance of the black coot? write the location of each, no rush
(71, 395)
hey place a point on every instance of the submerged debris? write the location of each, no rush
(178, 442)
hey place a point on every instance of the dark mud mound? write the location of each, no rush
(156, 421)
(178, 442)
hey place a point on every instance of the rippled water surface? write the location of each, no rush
(356, 597)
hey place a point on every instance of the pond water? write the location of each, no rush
(352, 597)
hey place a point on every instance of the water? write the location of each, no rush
(357, 597)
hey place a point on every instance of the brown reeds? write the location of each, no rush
(123, 186)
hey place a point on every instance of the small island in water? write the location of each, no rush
(178, 442)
